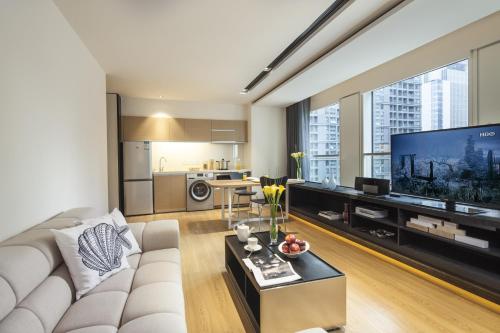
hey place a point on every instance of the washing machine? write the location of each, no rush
(199, 194)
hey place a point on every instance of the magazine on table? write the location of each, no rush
(271, 270)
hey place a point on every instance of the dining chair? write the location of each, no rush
(266, 181)
(241, 192)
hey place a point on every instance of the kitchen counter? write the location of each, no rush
(168, 173)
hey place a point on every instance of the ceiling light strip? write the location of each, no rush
(346, 38)
(317, 25)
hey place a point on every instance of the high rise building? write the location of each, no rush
(324, 143)
(431, 101)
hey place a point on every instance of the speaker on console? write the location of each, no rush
(373, 186)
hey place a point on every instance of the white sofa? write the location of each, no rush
(37, 293)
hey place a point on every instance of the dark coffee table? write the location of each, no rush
(316, 300)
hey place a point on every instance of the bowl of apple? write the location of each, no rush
(293, 247)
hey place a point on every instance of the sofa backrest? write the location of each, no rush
(35, 285)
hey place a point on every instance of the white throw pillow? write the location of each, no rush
(92, 253)
(118, 221)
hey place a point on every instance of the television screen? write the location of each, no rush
(460, 164)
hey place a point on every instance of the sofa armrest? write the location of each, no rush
(161, 234)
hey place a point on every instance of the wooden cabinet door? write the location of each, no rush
(177, 129)
(169, 193)
(144, 129)
(229, 130)
(198, 130)
(241, 131)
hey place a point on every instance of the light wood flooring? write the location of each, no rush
(381, 298)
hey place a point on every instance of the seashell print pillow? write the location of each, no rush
(118, 220)
(92, 252)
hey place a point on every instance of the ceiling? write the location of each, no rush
(210, 50)
(199, 50)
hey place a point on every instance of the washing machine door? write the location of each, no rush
(200, 191)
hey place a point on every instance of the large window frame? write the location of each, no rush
(314, 155)
(370, 154)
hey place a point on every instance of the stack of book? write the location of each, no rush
(329, 215)
(444, 229)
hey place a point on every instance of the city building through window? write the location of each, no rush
(324, 143)
(435, 100)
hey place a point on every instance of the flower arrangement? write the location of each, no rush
(298, 156)
(273, 195)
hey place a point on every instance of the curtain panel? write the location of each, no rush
(297, 136)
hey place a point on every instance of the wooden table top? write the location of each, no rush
(242, 183)
(231, 183)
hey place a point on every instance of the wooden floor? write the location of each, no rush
(380, 297)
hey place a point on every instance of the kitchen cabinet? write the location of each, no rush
(198, 130)
(183, 130)
(145, 129)
(176, 130)
(229, 131)
(169, 193)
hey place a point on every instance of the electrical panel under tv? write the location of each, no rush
(460, 164)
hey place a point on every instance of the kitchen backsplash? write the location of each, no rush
(184, 155)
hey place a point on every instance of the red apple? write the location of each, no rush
(294, 248)
(300, 242)
(285, 248)
(290, 239)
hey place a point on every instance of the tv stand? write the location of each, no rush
(472, 268)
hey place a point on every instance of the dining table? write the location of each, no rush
(228, 186)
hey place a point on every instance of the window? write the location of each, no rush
(324, 143)
(436, 100)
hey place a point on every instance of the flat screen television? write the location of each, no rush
(454, 165)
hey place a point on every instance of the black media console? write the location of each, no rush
(472, 268)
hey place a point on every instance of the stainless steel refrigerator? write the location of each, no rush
(137, 178)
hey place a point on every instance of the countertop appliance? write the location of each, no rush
(199, 193)
(137, 178)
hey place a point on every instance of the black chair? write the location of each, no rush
(241, 191)
(266, 181)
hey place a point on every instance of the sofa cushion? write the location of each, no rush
(95, 329)
(8, 300)
(133, 260)
(22, 268)
(50, 300)
(157, 272)
(163, 297)
(166, 255)
(154, 323)
(58, 223)
(121, 281)
(40, 239)
(93, 310)
(137, 228)
(21, 320)
(161, 234)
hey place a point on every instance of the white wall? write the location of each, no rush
(132, 106)
(267, 141)
(52, 118)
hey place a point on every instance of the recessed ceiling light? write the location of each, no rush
(244, 92)
(268, 69)
(161, 96)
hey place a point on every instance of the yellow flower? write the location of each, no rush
(281, 188)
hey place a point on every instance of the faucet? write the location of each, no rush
(161, 166)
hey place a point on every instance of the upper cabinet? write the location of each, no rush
(183, 130)
(229, 131)
(199, 130)
(145, 129)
